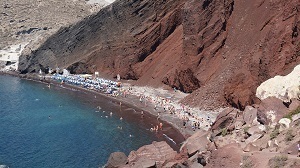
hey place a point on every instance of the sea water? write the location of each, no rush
(60, 127)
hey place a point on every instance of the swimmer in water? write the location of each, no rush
(49, 117)
(160, 126)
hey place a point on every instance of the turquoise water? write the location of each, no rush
(57, 127)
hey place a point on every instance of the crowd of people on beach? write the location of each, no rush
(88, 82)
(166, 106)
(162, 105)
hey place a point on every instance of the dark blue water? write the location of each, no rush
(56, 127)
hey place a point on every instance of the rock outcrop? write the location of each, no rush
(284, 88)
(116, 159)
(198, 142)
(155, 154)
(225, 120)
(218, 50)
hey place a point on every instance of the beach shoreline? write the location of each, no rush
(131, 100)
(179, 138)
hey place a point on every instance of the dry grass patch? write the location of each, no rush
(278, 161)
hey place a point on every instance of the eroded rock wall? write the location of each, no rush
(111, 41)
(239, 45)
(218, 50)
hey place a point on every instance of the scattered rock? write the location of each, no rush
(258, 129)
(295, 117)
(274, 149)
(262, 118)
(284, 124)
(196, 165)
(253, 138)
(225, 120)
(272, 144)
(273, 108)
(238, 125)
(294, 104)
(250, 116)
(194, 158)
(251, 148)
(196, 143)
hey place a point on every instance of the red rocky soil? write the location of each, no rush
(219, 51)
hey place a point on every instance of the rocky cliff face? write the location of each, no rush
(24, 21)
(219, 51)
(112, 41)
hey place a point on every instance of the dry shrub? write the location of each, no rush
(278, 161)
(247, 162)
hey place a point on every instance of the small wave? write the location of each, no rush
(34, 100)
(3, 166)
(169, 138)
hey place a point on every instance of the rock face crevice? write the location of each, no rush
(219, 51)
(255, 43)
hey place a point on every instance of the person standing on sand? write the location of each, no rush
(142, 114)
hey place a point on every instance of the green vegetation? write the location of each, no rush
(246, 129)
(289, 136)
(224, 132)
(278, 161)
(274, 133)
(247, 162)
(294, 112)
